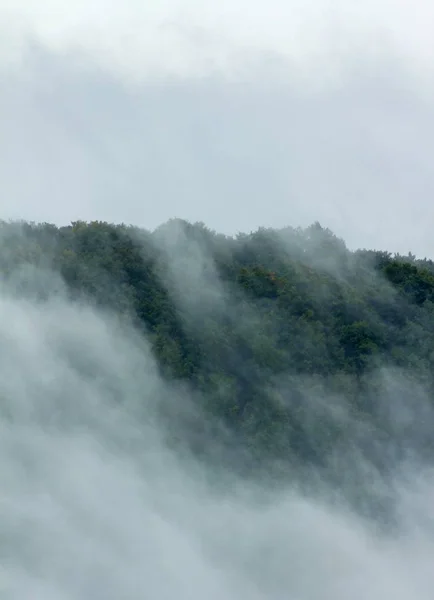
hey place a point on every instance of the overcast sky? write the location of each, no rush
(237, 113)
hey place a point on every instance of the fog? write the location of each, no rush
(112, 482)
(97, 502)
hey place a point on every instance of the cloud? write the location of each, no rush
(78, 145)
(94, 505)
(237, 116)
(190, 38)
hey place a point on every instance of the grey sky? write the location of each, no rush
(240, 115)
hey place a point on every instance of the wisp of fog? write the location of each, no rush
(96, 503)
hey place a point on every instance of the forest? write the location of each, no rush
(300, 355)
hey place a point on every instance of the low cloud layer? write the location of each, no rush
(95, 504)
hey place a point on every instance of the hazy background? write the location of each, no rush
(238, 114)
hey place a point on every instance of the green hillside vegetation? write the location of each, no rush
(285, 337)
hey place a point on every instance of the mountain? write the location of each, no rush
(299, 355)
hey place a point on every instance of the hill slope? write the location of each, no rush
(293, 347)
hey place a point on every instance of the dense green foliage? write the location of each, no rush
(285, 336)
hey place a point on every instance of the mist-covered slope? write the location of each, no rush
(185, 414)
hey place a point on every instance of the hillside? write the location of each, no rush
(292, 346)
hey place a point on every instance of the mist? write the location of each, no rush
(101, 498)
(242, 415)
